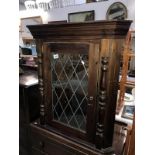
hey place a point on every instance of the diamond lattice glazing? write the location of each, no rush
(70, 89)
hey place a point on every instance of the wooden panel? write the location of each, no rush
(68, 131)
(67, 47)
(111, 48)
(130, 140)
(48, 146)
(46, 141)
(92, 87)
(47, 82)
(39, 50)
(28, 108)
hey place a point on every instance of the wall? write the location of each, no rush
(131, 10)
(99, 7)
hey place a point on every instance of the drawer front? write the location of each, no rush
(50, 147)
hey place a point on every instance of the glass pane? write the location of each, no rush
(70, 88)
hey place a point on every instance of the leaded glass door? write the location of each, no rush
(70, 74)
(70, 88)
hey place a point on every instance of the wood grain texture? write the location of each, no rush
(80, 31)
(28, 108)
(102, 101)
(111, 48)
(40, 79)
(92, 94)
(130, 140)
(51, 140)
(127, 55)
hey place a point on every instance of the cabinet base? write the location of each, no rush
(46, 142)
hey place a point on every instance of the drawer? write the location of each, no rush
(49, 147)
(51, 143)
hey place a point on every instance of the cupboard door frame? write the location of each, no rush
(93, 55)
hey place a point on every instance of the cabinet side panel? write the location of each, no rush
(112, 49)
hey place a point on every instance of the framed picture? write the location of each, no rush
(25, 33)
(128, 111)
(117, 11)
(90, 1)
(81, 16)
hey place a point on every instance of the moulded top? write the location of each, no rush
(80, 31)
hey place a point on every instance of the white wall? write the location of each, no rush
(99, 7)
(131, 12)
(34, 13)
(100, 10)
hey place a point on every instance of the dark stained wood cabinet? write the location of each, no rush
(78, 79)
(28, 107)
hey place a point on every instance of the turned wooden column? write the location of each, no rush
(39, 49)
(110, 54)
(102, 101)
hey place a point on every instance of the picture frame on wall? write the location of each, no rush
(81, 16)
(117, 11)
(91, 1)
(128, 111)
